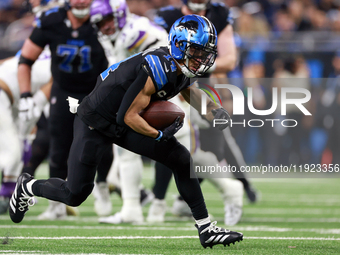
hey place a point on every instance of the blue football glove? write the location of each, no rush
(170, 131)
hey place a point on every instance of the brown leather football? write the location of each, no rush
(161, 114)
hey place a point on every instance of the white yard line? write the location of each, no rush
(189, 221)
(249, 210)
(300, 211)
(331, 180)
(152, 228)
(164, 237)
(282, 219)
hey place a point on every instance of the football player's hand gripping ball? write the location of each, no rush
(170, 131)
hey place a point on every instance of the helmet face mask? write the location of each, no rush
(193, 44)
(107, 25)
(198, 59)
(102, 10)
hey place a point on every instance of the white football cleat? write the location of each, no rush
(132, 214)
(102, 203)
(113, 219)
(118, 218)
(157, 211)
(55, 211)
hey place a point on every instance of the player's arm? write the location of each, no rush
(194, 95)
(132, 117)
(227, 53)
(137, 98)
(46, 89)
(29, 54)
(214, 111)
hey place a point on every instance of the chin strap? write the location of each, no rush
(185, 70)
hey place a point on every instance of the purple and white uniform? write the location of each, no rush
(10, 143)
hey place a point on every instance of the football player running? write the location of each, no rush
(110, 114)
(123, 34)
(223, 145)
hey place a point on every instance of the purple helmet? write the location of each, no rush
(100, 9)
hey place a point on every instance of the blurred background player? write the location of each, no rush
(123, 34)
(36, 151)
(77, 59)
(12, 134)
(222, 145)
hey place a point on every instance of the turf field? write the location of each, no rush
(294, 216)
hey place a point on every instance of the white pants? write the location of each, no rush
(10, 144)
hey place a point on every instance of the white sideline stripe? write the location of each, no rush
(281, 219)
(240, 228)
(294, 238)
(305, 211)
(235, 228)
(307, 181)
(186, 219)
(16, 252)
(261, 211)
(95, 219)
(167, 237)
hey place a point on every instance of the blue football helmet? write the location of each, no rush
(193, 37)
(196, 7)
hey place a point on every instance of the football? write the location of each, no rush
(161, 114)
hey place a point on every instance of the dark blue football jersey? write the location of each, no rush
(77, 56)
(99, 109)
(217, 13)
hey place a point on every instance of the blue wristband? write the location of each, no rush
(159, 136)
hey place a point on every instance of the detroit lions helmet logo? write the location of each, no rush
(191, 26)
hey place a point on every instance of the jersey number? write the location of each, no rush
(69, 52)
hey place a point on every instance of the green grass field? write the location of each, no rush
(294, 216)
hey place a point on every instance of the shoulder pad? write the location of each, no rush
(167, 8)
(134, 33)
(50, 17)
(218, 4)
(159, 20)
